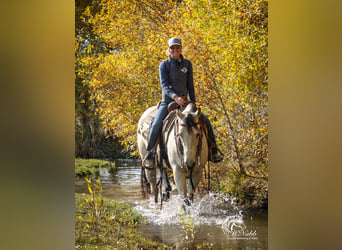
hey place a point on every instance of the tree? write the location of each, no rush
(91, 141)
(227, 44)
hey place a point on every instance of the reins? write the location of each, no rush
(179, 145)
(180, 150)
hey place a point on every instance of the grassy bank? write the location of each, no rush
(250, 190)
(108, 224)
(88, 167)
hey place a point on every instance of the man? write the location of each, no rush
(176, 78)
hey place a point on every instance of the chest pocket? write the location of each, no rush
(178, 73)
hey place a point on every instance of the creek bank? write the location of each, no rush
(106, 223)
(111, 225)
(250, 193)
(209, 209)
(87, 167)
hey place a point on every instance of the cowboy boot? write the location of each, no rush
(149, 160)
(215, 157)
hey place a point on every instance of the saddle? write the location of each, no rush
(149, 118)
(167, 123)
(146, 123)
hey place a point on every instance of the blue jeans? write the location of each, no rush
(158, 124)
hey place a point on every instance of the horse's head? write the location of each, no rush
(190, 135)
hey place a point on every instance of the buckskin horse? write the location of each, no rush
(183, 147)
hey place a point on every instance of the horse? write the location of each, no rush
(184, 146)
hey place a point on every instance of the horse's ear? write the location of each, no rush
(198, 112)
(179, 114)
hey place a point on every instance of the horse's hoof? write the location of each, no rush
(187, 202)
(166, 196)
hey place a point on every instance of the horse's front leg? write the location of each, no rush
(151, 178)
(167, 186)
(180, 179)
(194, 179)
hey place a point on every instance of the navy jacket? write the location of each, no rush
(176, 78)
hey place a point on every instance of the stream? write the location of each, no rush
(217, 220)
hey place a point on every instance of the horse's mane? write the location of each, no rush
(189, 118)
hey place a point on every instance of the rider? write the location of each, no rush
(176, 78)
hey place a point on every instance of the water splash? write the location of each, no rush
(209, 213)
(211, 209)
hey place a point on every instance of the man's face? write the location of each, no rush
(175, 51)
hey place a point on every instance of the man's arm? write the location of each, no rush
(164, 80)
(190, 84)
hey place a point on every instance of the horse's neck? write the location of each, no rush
(170, 137)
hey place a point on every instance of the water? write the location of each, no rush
(217, 220)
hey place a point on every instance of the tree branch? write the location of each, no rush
(242, 168)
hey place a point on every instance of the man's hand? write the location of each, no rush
(179, 100)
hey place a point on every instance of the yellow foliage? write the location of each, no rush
(227, 44)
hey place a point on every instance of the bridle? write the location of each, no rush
(180, 149)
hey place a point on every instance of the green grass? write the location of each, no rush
(251, 192)
(248, 191)
(88, 167)
(115, 226)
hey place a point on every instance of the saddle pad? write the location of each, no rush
(167, 124)
(146, 121)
